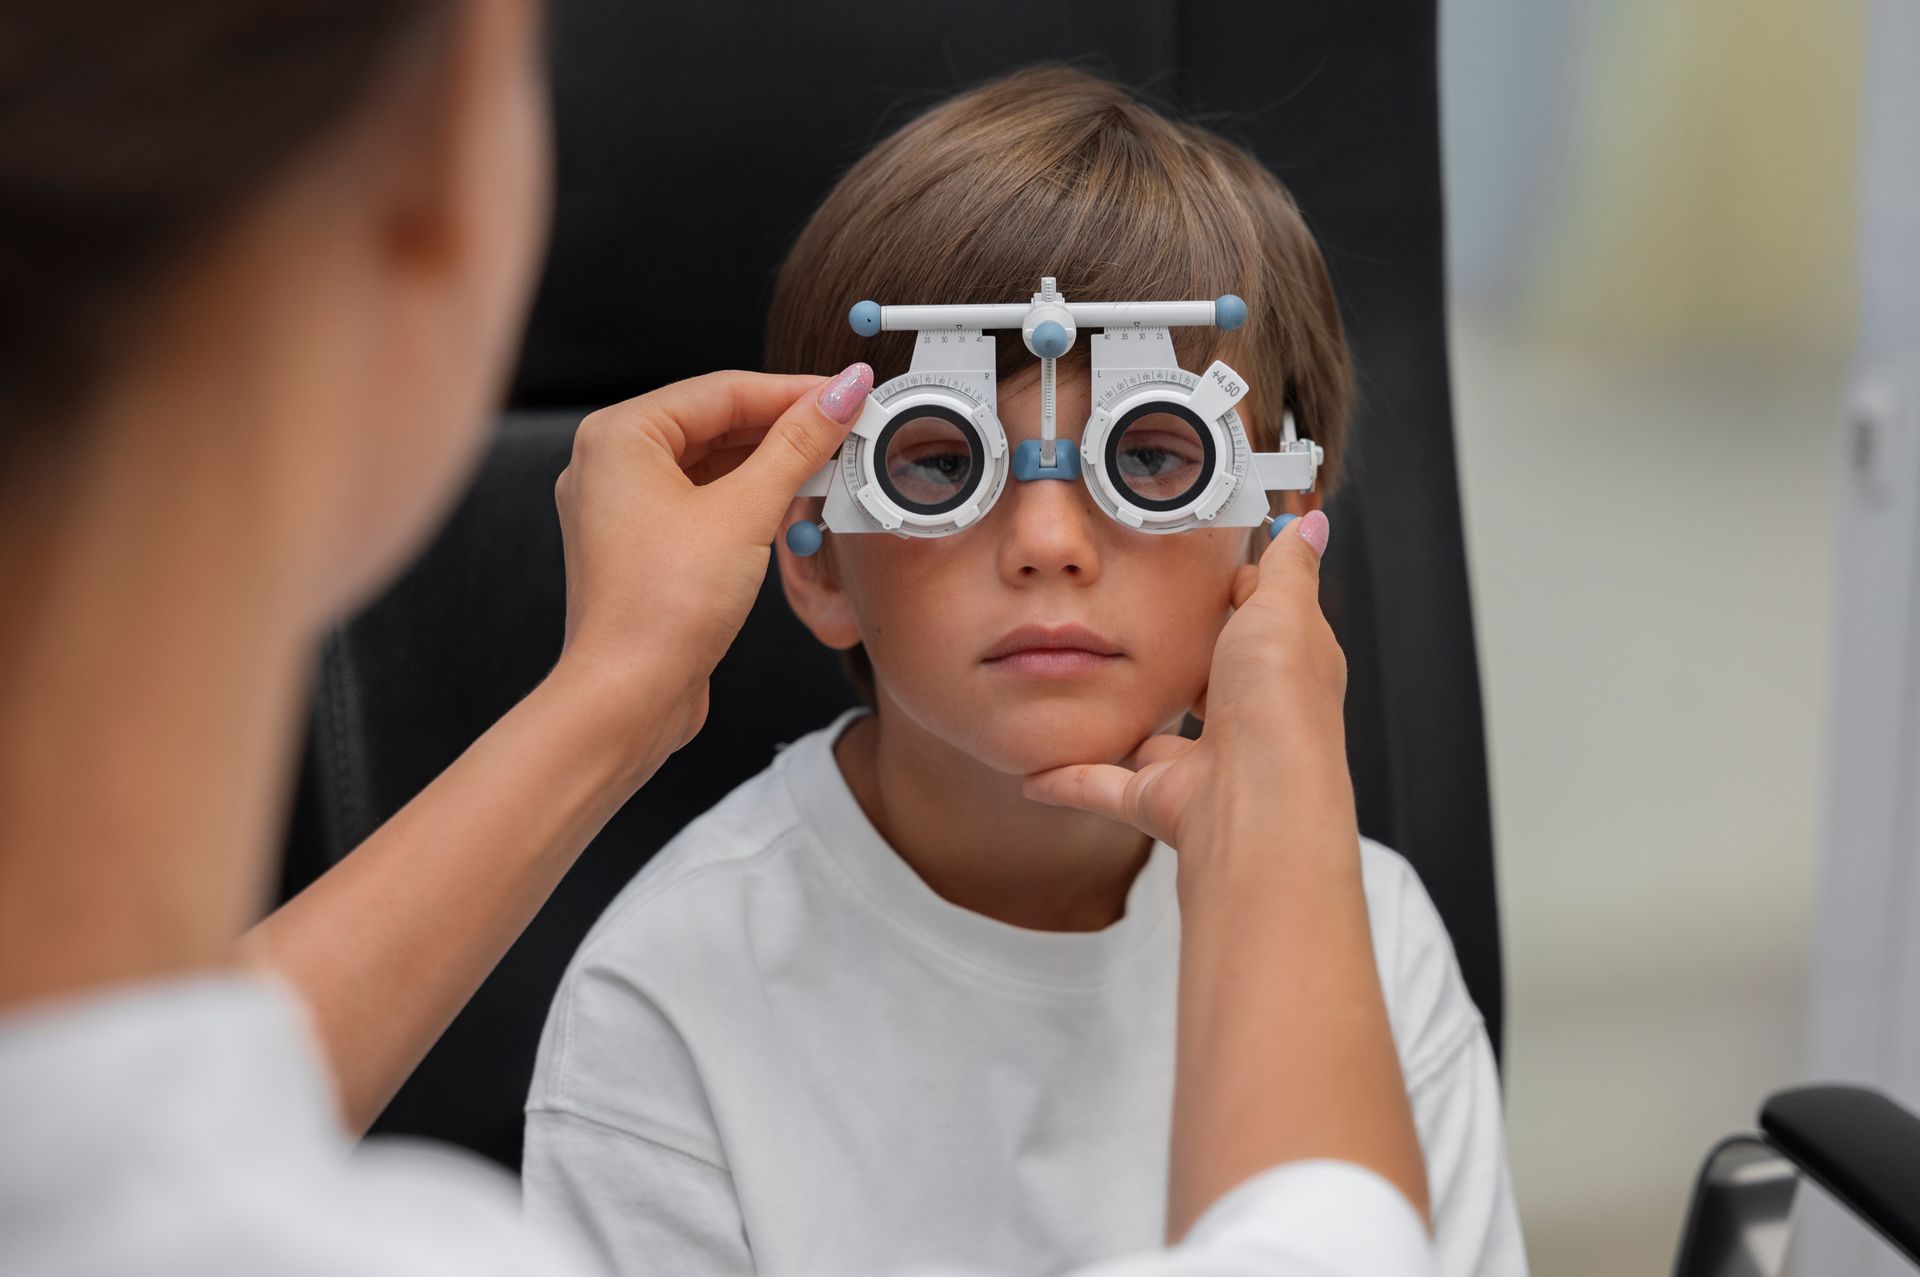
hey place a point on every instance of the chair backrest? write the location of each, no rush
(692, 142)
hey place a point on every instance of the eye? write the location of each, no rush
(1156, 455)
(929, 461)
(1159, 457)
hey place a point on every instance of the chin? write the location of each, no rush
(1025, 738)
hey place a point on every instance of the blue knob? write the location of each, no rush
(1050, 340)
(1229, 312)
(1274, 529)
(865, 318)
(803, 539)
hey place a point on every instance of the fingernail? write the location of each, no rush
(841, 398)
(1314, 530)
(1279, 525)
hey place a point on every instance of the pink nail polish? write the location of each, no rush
(841, 398)
(1314, 530)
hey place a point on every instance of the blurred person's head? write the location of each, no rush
(265, 258)
(1052, 172)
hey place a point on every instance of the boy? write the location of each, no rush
(877, 1008)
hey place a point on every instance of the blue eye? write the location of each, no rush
(1159, 457)
(933, 467)
(1147, 463)
(929, 461)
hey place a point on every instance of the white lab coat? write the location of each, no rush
(186, 1127)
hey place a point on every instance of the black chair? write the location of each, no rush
(693, 141)
(1854, 1143)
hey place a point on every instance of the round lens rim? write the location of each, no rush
(976, 458)
(1209, 456)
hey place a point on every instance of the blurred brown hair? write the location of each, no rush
(130, 132)
(1051, 171)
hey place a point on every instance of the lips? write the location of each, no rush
(1052, 651)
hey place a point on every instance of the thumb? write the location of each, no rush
(1105, 789)
(1292, 560)
(1245, 578)
(795, 447)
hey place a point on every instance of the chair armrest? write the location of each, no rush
(1859, 1146)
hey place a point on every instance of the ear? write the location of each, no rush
(812, 585)
(453, 108)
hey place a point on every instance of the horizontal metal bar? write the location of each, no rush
(894, 319)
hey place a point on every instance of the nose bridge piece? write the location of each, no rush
(1029, 464)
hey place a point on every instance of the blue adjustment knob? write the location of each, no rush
(1229, 312)
(865, 318)
(803, 539)
(1050, 340)
(1274, 529)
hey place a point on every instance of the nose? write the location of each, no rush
(1050, 534)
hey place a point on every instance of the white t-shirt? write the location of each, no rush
(780, 1052)
(184, 1129)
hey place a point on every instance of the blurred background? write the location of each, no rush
(1652, 237)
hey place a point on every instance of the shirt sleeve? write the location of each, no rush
(634, 1206)
(1458, 1111)
(1310, 1219)
(1455, 1092)
(1307, 1219)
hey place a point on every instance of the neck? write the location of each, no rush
(977, 841)
(149, 678)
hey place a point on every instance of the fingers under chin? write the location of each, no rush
(1043, 787)
(1157, 749)
(1081, 785)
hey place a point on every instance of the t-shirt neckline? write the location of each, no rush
(870, 866)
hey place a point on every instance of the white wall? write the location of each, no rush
(1652, 227)
(1867, 965)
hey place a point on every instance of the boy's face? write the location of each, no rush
(1044, 634)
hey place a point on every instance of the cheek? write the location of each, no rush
(900, 590)
(1191, 572)
(914, 602)
(1184, 590)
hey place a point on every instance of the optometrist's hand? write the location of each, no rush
(1285, 1052)
(1272, 718)
(668, 511)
